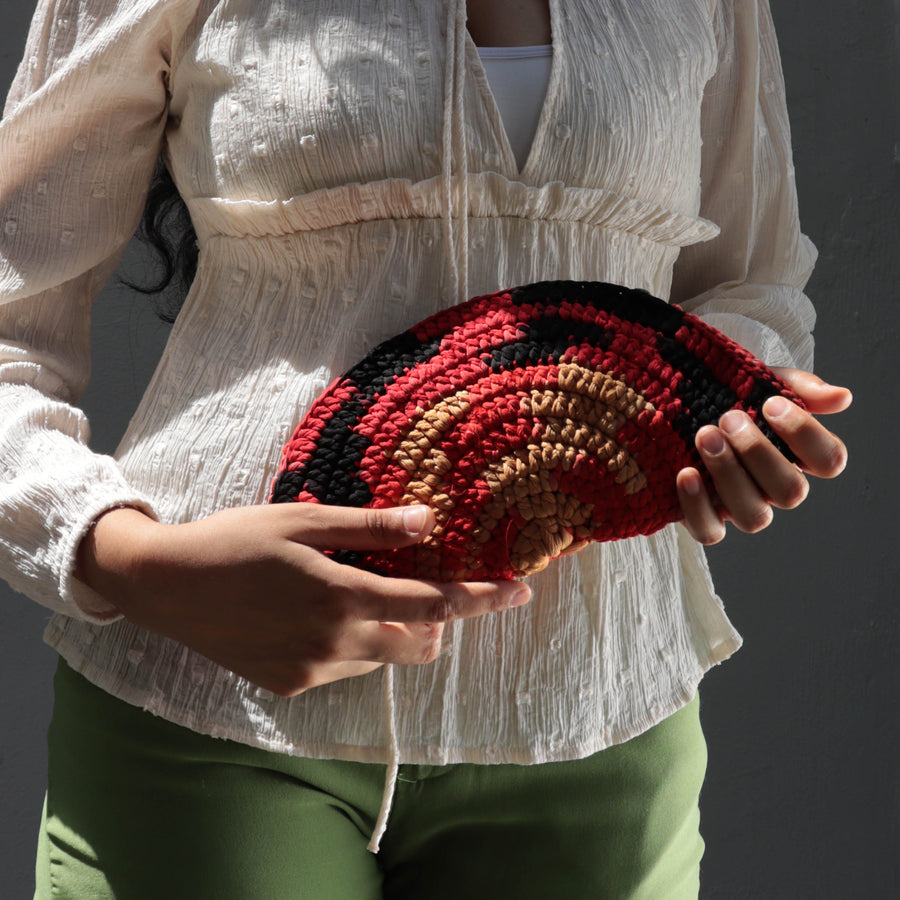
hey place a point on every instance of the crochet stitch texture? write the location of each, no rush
(532, 420)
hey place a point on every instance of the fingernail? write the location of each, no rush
(733, 422)
(414, 519)
(775, 407)
(521, 596)
(712, 442)
(691, 486)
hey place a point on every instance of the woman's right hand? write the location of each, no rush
(250, 589)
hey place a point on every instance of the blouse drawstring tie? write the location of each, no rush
(455, 214)
(454, 148)
(393, 769)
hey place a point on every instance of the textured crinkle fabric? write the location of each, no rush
(336, 204)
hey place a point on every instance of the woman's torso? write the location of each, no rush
(307, 140)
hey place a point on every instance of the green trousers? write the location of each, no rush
(140, 808)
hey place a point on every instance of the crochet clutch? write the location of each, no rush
(532, 421)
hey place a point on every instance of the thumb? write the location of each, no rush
(348, 528)
(819, 396)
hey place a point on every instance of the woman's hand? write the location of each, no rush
(250, 589)
(750, 475)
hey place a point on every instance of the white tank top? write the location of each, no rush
(518, 77)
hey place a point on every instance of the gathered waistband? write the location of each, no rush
(490, 195)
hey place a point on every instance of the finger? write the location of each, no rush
(347, 528)
(820, 397)
(381, 599)
(401, 644)
(778, 479)
(317, 674)
(701, 518)
(369, 646)
(820, 452)
(741, 497)
(371, 642)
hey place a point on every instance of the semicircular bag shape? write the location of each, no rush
(532, 420)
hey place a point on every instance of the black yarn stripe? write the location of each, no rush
(699, 385)
(545, 341)
(704, 397)
(349, 558)
(761, 392)
(628, 304)
(331, 469)
(330, 475)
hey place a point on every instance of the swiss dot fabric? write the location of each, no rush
(308, 139)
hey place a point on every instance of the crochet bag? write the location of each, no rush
(532, 421)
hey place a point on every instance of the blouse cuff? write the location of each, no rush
(774, 322)
(79, 600)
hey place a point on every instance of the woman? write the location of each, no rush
(348, 172)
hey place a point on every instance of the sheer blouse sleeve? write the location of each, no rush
(80, 135)
(749, 281)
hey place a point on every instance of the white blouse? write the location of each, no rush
(348, 174)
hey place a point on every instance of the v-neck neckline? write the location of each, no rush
(475, 66)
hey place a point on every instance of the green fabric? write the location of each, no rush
(140, 808)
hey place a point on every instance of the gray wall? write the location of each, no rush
(801, 798)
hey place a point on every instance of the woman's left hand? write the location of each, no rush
(751, 477)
